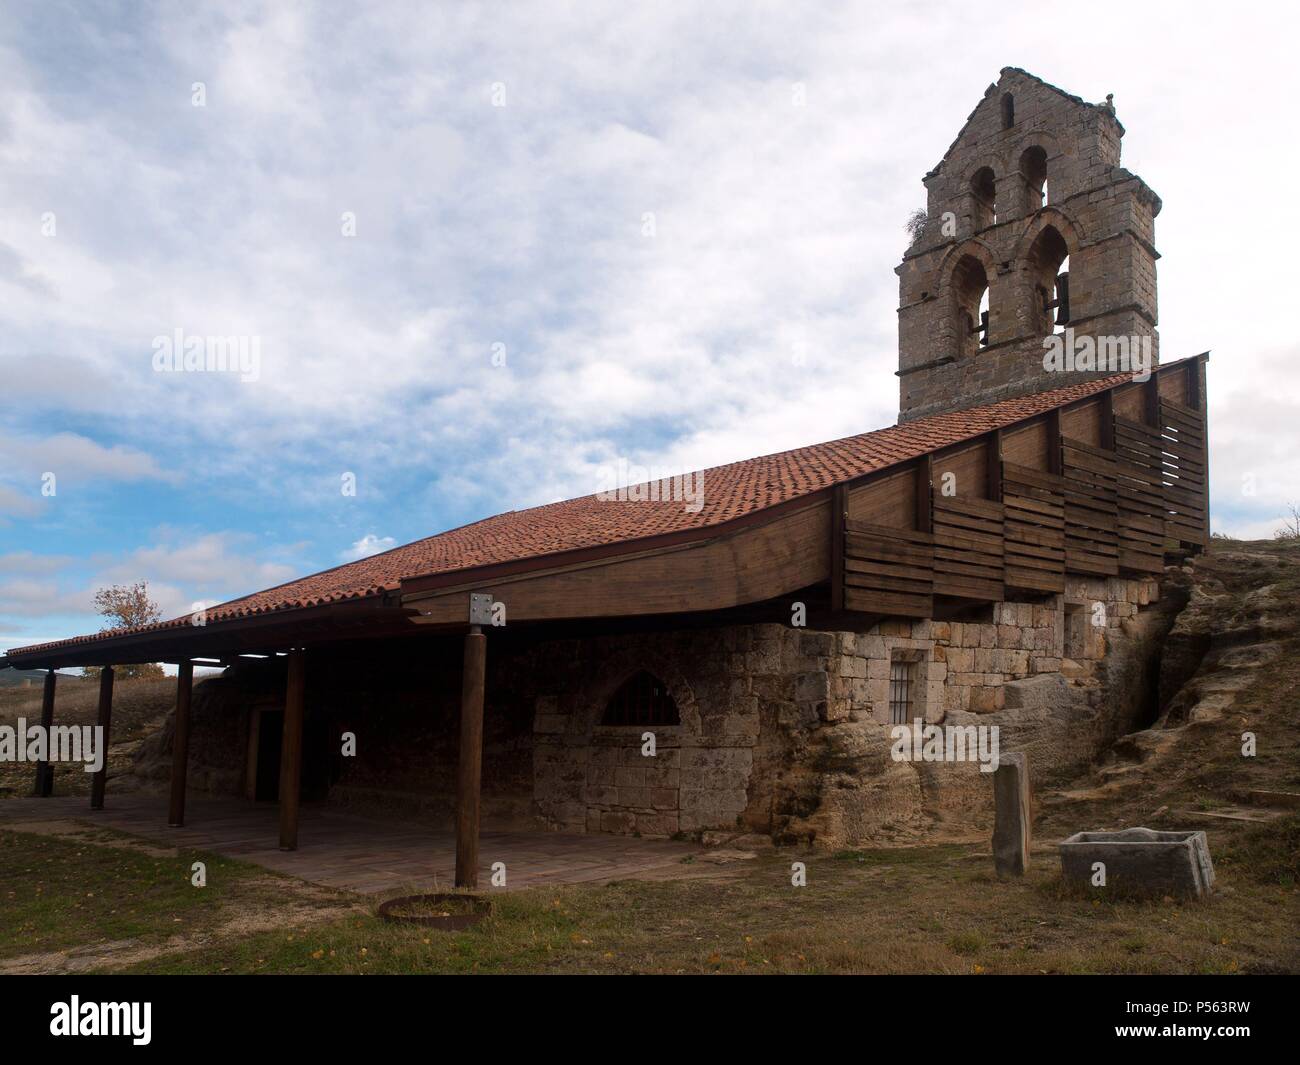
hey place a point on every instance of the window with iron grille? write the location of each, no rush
(642, 699)
(900, 692)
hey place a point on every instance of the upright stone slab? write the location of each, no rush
(1011, 815)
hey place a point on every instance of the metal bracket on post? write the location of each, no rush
(480, 608)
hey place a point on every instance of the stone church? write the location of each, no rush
(995, 558)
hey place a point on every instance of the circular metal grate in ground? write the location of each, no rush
(449, 912)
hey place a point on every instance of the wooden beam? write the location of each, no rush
(993, 476)
(759, 563)
(1194, 383)
(1197, 401)
(44, 771)
(839, 513)
(181, 743)
(469, 775)
(1151, 401)
(1106, 436)
(924, 503)
(104, 719)
(1054, 441)
(291, 749)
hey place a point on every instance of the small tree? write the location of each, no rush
(916, 224)
(127, 607)
(1290, 529)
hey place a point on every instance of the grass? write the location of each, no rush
(921, 909)
(58, 893)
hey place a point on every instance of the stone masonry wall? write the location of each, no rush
(1012, 670)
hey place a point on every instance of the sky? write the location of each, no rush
(481, 255)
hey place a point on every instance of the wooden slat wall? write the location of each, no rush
(1091, 509)
(1123, 499)
(1184, 470)
(1034, 505)
(1140, 496)
(969, 548)
(887, 570)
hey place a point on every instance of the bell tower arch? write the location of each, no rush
(1065, 238)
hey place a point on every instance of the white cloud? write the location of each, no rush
(205, 565)
(777, 230)
(29, 562)
(72, 457)
(368, 545)
(19, 504)
(182, 569)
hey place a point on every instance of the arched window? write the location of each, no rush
(642, 699)
(1008, 110)
(983, 187)
(1048, 262)
(970, 284)
(1033, 168)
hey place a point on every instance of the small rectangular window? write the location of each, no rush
(900, 692)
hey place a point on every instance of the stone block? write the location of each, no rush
(634, 797)
(629, 777)
(812, 687)
(871, 646)
(617, 821)
(1140, 861)
(657, 824)
(1011, 827)
(601, 795)
(663, 798)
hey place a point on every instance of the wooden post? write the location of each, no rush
(839, 511)
(1194, 383)
(1106, 431)
(993, 466)
(469, 777)
(924, 505)
(44, 771)
(181, 743)
(291, 750)
(104, 721)
(1054, 441)
(1151, 401)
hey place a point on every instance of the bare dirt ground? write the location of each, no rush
(249, 901)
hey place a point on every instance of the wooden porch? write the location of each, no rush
(368, 855)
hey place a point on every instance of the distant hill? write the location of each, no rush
(18, 678)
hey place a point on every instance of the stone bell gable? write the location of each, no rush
(1031, 226)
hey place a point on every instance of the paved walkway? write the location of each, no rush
(365, 854)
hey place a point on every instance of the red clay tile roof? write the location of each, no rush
(731, 491)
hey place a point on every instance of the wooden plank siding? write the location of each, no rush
(1034, 504)
(1091, 509)
(968, 548)
(1129, 494)
(755, 564)
(888, 570)
(1140, 496)
(1185, 472)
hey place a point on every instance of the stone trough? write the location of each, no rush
(1141, 861)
